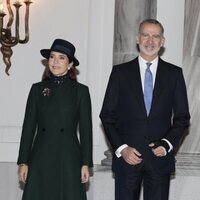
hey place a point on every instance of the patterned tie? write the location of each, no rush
(148, 87)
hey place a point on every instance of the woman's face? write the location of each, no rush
(59, 63)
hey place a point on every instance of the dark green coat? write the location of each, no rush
(50, 144)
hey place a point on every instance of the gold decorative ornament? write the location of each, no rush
(7, 40)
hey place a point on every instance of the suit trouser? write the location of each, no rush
(128, 185)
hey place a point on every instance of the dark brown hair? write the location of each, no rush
(151, 21)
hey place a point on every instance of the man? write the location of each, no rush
(145, 114)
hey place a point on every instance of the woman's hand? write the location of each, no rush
(85, 174)
(22, 172)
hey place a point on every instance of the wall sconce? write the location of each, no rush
(7, 40)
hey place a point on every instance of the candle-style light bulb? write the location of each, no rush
(1, 8)
(17, 2)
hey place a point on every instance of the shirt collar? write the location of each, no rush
(143, 61)
(143, 66)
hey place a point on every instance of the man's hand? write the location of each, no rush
(158, 151)
(131, 156)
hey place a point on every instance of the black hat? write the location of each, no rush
(61, 46)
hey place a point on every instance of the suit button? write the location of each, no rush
(43, 129)
(61, 130)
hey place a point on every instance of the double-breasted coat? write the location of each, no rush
(50, 145)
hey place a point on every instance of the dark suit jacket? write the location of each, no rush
(124, 115)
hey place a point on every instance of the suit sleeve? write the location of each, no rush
(28, 128)
(85, 128)
(109, 109)
(181, 115)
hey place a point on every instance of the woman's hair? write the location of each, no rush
(73, 72)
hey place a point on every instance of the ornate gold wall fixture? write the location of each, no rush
(7, 40)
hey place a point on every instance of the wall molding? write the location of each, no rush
(9, 142)
(10, 134)
(187, 164)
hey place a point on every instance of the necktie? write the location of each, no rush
(148, 87)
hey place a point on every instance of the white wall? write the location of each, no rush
(100, 56)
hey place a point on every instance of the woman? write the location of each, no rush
(53, 160)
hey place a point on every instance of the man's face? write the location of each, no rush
(150, 39)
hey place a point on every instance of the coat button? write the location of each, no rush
(61, 130)
(43, 129)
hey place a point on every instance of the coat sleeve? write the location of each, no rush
(85, 127)
(108, 114)
(28, 128)
(181, 115)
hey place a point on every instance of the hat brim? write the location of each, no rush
(46, 53)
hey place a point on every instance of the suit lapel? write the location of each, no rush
(135, 81)
(160, 82)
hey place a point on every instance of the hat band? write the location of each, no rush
(63, 49)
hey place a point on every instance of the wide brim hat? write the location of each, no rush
(62, 46)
